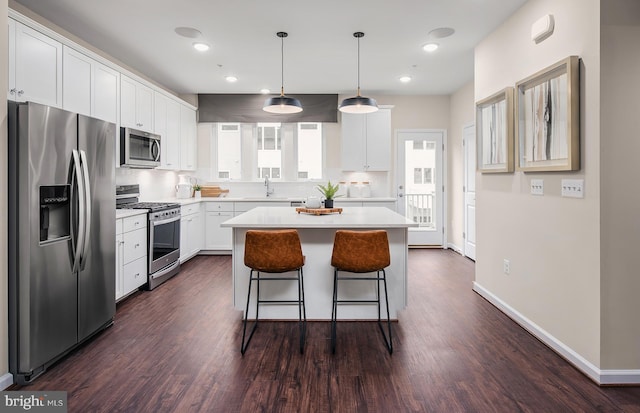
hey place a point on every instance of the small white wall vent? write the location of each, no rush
(542, 28)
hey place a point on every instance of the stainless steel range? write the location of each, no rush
(163, 233)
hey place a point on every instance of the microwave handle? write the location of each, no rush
(155, 150)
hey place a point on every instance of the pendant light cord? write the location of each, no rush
(281, 65)
(358, 35)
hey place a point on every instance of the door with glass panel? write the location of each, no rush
(420, 183)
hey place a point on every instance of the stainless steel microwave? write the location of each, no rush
(139, 149)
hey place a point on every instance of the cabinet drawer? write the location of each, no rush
(135, 245)
(134, 222)
(134, 275)
(219, 206)
(190, 209)
(118, 226)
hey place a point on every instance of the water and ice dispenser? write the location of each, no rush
(55, 212)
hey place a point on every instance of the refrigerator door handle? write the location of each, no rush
(87, 211)
(80, 183)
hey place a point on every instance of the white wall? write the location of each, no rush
(620, 203)
(553, 243)
(462, 114)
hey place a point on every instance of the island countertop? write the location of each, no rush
(351, 217)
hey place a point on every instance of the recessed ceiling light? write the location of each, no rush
(430, 47)
(231, 79)
(265, 91)
(189, 32)
(405, 79)
(201, 47)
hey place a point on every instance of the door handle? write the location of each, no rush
(88, 211)
(76, 175)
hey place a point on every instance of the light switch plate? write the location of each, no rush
(572, 188)
(537, 187)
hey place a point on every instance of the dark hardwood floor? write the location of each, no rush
(177, 349)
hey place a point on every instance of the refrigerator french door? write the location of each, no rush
(61, 234)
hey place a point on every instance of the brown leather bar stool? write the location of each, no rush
(273, 251)
(361, 252)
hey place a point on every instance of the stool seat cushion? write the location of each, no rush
(360, 251)
(273, 251)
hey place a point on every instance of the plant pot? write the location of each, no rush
(328, 203)
(197, 194)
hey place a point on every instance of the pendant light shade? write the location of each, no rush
(282, 104)
(358, 104)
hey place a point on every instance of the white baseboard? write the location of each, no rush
(6, 380)
(601, 377)
(455, 248)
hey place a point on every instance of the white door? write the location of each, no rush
(420, 182)
(469, 142)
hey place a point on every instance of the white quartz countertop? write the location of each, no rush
(351, 217)
(124, 213)
(187, 201)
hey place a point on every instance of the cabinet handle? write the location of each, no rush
(13, 91)
(136, 246)
(20, 92)
(137, 275)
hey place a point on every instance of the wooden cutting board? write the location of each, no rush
(319, 211)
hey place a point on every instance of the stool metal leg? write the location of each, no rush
(302, 311)
(334, 311)
(243, 346)
(389, 342)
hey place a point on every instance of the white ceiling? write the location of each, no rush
(320, 54)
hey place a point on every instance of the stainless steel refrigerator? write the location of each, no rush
(61, 234)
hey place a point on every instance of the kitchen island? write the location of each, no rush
(316, 235)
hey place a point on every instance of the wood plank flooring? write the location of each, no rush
(177, 349)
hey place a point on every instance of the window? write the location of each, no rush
(428, 175)
(254, 151)
(269, 143)
(229, 152)
(417, 175)
(309, 138)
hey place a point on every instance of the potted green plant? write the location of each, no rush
(329, 192)
(196, 191)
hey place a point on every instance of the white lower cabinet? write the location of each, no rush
(216, 237)
(191, 231)
(131, 254)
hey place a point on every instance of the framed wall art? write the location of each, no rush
(547, 118)
(494, 129)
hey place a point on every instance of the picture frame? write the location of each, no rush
(547, 118)
(494, 129)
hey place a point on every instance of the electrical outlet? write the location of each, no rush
(537, 187)
(572, 188)
(506, 266)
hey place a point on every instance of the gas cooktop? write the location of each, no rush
(151, 206)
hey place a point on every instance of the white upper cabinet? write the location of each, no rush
(35, 66)
(76, 81)
(187, 138)
(136, 105)
(366, 141)
(89, 87)
(105, 93)
(166, 123)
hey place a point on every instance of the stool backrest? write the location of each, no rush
(273, 251)
(360, 251)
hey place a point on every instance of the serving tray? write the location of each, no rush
(319, 211)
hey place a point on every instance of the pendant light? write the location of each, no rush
(358, 104)
(282, 103)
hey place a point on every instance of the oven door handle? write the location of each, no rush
(166, 221)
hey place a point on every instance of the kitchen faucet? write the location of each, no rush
(267, 183)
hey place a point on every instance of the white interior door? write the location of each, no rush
(420, 182)
(469, 141)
